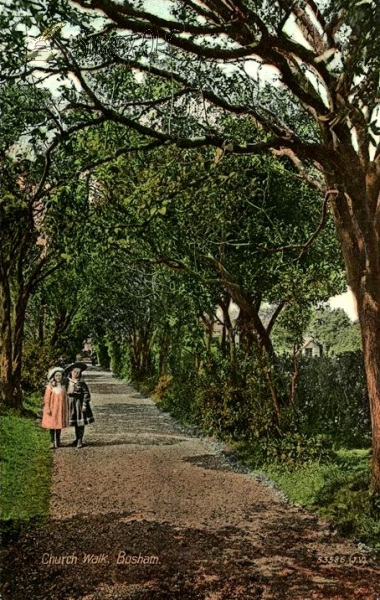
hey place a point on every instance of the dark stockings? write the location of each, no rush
(55, 438)
(79, 432)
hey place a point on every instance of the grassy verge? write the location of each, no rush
(25, 470)
(336, 490)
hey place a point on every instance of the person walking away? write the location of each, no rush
(78, 397)
(55, 409)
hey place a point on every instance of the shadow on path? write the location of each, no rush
(148, 511)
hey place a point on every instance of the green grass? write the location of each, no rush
(32, 403)
(336, 491)
(25, 470)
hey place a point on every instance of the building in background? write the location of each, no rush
(311, 348)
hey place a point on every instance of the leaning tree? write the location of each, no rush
(306, 72)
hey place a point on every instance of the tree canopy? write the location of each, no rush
(334, 330)
(305, 73)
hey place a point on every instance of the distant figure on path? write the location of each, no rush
(55, 409)
(78, 396)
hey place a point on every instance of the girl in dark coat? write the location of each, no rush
(78, 397)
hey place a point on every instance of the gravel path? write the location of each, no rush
(148, 511)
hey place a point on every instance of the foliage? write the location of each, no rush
(161, 389)
(286, 452)
(233, 408)
(40, 228)
(179, 399)
(119, 354)
(334, 330)
(331, 397)
(33, 403)
(37, 361)
(223, 410)
(291, 326)
(320, 88)
(337, 491)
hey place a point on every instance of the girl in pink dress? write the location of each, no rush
(55, 409)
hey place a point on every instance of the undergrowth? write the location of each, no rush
(336, 489)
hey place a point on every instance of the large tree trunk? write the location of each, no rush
(10, 379)
(369, 318)
(357, 220)
(11, 354)
(367, 294)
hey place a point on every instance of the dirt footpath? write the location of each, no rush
(147, 511)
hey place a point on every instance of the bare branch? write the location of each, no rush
(322, 222)
(304, 174)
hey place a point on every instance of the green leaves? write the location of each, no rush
(334, 330)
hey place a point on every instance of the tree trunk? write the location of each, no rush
(141, 352)
(163, 354)
(229, 330)
(41, 325)
(295, 374)
(252, 341)
(357, 221)
(246, 330)
(62, 321)
(10, 364)
(10, 382)
(208, 321)
(369, 318)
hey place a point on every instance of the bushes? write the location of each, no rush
(119, 361)
(232, 412)
(286, 452)
(178, 397)
(230, 404)
(295, 449)
(337, 491)
(37, 359)
(219, 405)
(331, 398)
(330, 404)
(162, 387)
(222, 410)
(331, 407)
